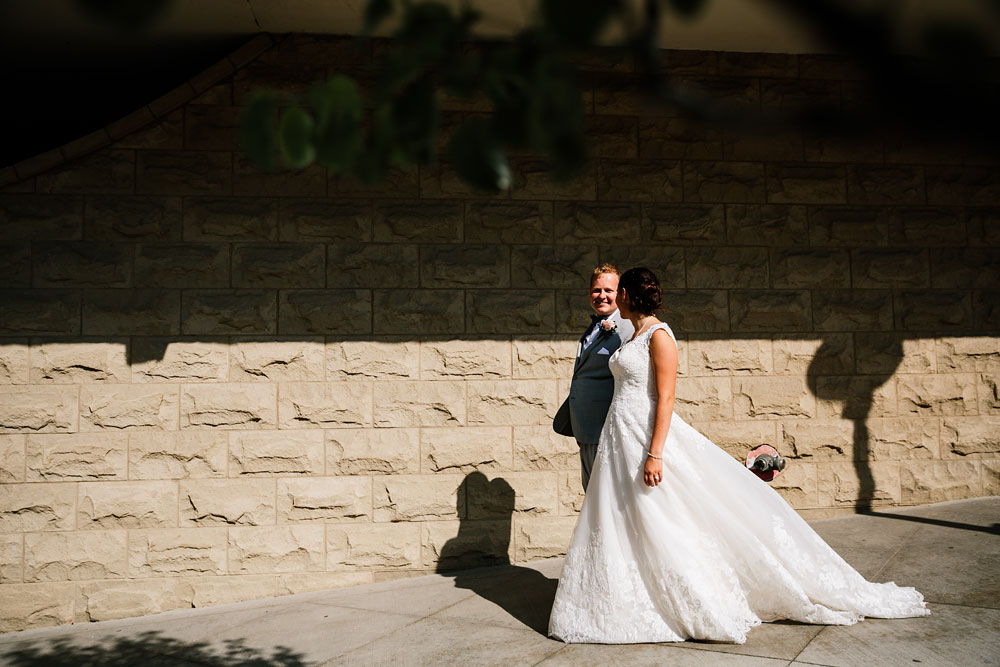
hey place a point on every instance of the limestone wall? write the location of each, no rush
(220, 385)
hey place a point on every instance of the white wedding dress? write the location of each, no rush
(708, 554)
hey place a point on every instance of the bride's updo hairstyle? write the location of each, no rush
(643, 290)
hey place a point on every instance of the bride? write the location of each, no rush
(677, 540)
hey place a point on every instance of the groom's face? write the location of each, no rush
(603, 291)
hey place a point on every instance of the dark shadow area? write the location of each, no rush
(993, 529)
(484, 539)
(147, 649)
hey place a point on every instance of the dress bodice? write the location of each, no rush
(632, 369)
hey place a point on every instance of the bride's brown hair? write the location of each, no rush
(643, 290)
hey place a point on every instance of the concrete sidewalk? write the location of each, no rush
(498, 616)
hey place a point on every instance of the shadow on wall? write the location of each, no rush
(148, 648)
(523, 593)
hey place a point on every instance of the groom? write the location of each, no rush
(582, 414)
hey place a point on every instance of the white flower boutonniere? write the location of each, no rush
(609, 326)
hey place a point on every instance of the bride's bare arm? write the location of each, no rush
(663, 356)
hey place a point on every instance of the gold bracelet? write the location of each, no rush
(653, 456)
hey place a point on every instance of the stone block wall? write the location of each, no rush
(219, 384)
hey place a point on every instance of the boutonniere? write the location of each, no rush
(609, 326)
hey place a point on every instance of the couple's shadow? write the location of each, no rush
(478, 558)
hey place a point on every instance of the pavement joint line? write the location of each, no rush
(552, 655)
(906, 541)
(958, 604)
(695, 646)
(809, 643)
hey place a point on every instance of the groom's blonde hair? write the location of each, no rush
(601, 269)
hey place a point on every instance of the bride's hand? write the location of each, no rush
(652, 473)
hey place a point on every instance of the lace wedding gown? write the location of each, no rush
(708, 554)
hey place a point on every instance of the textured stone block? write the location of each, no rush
(81, 361)
(508, 222)
(110, 600)
(211, 127)
(890, 268)
(532, 180)
(806, 184)
(571, 493)
(968, 185)
(683, 224)
(276, 265)
(928, 226)
(582, 222)
(166, 132)
(325, 404)
(737, 182)
(379, 545)
(324, 311)
(839, 484)
(117, 407)
(952, 394)
(230, 219)
(771, 310)
(108, 171)
(930, 310)
(393, 357)
(182, 552)
(888, 353)
(418, 221)
(182, 265)
(112, 505)
(572, 314)
(962, 268)
(991, 478)
(520, 493)
(464, 266)
(228, 406)
(11, 559)
(729, 356)
(876, 184)
(817, 440)
(183, 172)
(696, 310)
(612, 136)
(509, 311)
(74, 556)
(398, 183)
(325, 220)
(44, 217)
(798, 485)
(726, 267)
(642, 181)
(465, 450)
(448, 545)
(53, 311)
(276, 549)
(465, 358)
(514, 402)
(177, 455)
(855, 397)
(973, 354)
(12, 458)
(900, 438)
(308, 582)
(800, 267)
(770, 224)
(327, 500)
(936, 481)
(704, 399)
(269, 454)
(172, 360)
(566, 266)
(980, 223)
(986, 307)
(772, 398)
(543, 357)
(268, 360)
(848, 226)
(412, 311)
(833, 354)
(38, 409)
(372, 451)
(25, 606)
(71, 456)
(542, 537)
(988, 388)
(373, 265)
(117, 312)
(678, 138)
(15, 264)
(34, 507)
(14, 361)
(227, 502)
(668, 263)
(852, 310)
(215, 312)
(418, 498)
(737, 438)
(540, 448)
(81, 264)
(428, 403)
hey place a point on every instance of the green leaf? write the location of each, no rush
(295, 137)
(476, 155)
(376, 11)
(338, 107)
(257, 131)
(415, 120)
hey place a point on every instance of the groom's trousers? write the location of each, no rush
(587, 455)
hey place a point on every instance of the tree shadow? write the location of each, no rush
(148, 648)
(478, 558)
